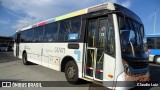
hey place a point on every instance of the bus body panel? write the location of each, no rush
(51, 54)
(21, 49)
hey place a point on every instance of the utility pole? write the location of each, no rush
(155, 21)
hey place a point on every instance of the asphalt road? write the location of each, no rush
(12, 69)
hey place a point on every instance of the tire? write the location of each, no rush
(25, 62)
(71, 72)
(157, 60)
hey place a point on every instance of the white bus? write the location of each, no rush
(153, 41)
(102, 43)
(3, 47)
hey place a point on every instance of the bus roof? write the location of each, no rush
(109, 6)
(153, 35)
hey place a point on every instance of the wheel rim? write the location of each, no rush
(71, 72)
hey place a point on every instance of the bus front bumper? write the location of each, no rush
(125, 82)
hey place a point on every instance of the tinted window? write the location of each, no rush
(69, 29)
(158, 41)
(65, 28)
(51, 32)
(75, 24)
(23, 34)
(38, 34)
(151, 43)
(28, 34)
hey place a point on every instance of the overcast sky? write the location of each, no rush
(15, 14)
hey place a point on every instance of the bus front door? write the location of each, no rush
(96, 37)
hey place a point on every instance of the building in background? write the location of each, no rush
(9, 41)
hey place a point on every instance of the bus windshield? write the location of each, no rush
(132, 40)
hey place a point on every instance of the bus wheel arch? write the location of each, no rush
(24, 58)
(64, 61)
(157, 59)
(68, 65)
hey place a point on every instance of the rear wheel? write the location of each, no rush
(71, 72)
(25, 62)
(157, 59)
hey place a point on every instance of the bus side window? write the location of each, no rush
(75, 28)
(67, 27)
(28, 35)
(50, 33)
(62, 32)
(38, 34)
(23, 34)
(75, 25)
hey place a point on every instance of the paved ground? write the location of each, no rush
(12, 68)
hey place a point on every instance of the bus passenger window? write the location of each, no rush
(62, 32)
(38, 34)
(28, 35)
(50, 33)
(23, 34)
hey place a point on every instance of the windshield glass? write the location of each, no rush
(133, 42)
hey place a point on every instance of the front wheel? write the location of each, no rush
(71, 72)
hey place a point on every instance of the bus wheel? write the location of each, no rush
(25, 62)
(71, 72)
(157, 60)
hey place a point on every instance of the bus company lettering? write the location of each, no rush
(59, 50)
